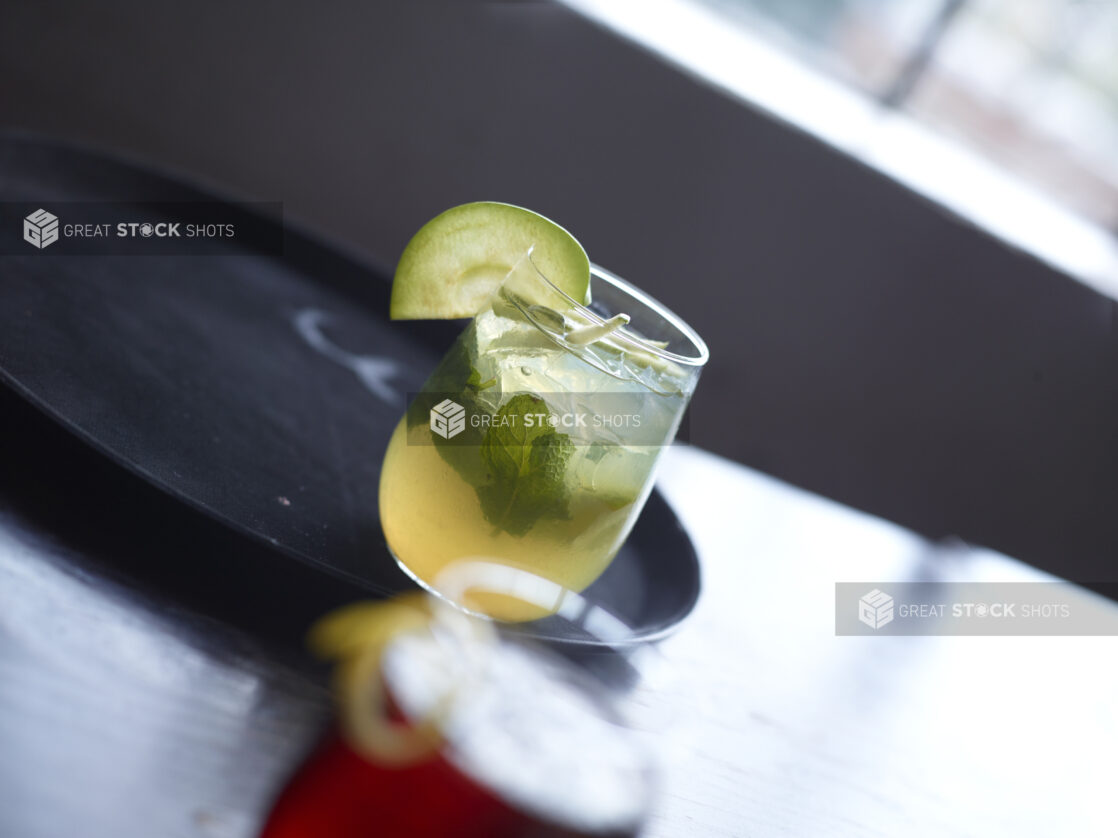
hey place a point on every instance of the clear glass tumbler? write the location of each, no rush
(534, 442)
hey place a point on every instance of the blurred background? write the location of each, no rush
(1031, 84)
(876, 337)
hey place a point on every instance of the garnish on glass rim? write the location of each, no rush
(452, 266)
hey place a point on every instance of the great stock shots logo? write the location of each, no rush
(448, 419)
(40, 229)
(141, 228)
(875, 609)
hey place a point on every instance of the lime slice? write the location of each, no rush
(452, 266)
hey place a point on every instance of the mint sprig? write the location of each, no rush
(526, 460)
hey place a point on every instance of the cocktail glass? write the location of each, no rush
(534, 443)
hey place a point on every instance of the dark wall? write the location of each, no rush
(866, 345)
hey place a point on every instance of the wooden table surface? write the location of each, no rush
(126, 711)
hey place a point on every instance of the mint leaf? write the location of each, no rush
(455, 376)
(475, 383)
(526, 459)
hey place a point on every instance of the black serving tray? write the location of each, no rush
(258, 388)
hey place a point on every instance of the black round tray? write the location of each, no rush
(260, 389)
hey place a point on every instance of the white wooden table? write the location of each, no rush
(124, 714)
(782, 728)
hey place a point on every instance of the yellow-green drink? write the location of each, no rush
(534, 442)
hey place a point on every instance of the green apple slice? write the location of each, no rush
(452, 266)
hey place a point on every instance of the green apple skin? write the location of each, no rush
(452, 266)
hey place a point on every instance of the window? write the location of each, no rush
(1032, 84)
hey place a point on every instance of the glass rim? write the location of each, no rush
(698, 360)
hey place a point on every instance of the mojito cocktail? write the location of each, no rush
(534, 442)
